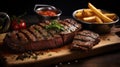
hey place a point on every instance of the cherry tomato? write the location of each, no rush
(17, 25)
(22, 24)
(14, 25)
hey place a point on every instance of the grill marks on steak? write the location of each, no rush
(30, 36)
(85, 40)
(73, 22)
(36, 33)
(89, 34)
(22, 37)
(43, 32)
(36, 37)
(87, 44)
(52, 33)
(70, 26)
(57, 39)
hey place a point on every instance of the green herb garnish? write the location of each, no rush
(55, 25)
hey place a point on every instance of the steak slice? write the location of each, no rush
(85, 40)
(89, 34)
(37, 37)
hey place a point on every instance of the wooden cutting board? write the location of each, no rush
(109, 42)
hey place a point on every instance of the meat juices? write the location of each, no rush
(85, 40)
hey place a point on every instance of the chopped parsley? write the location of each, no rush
(55, 25)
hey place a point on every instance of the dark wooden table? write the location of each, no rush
(109, 59)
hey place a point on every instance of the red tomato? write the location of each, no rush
(22, 24)
(16, 25)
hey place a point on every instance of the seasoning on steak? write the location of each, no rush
(85, 40)
(37, 37)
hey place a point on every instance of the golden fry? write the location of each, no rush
(78, 14)
(111, 15)
(98, 20)
(89, 19)
(91, 11)
(87, 13)
(99, 14)
(94, 15)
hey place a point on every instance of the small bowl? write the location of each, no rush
(98, 28)
(42, 8)
(4, 22)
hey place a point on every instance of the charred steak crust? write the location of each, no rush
(85, 40)
(36, 37)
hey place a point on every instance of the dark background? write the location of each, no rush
(18, 7)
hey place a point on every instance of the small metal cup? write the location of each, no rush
(4, 22)
(39, 7)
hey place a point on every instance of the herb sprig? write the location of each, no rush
(55, 25)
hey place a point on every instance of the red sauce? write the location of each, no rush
(47, 13)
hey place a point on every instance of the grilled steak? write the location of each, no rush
(85, 40)
(37, 37)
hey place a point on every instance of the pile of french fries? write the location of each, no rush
(94, 15)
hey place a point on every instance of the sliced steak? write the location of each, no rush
(89, 34)
(85, 40)
(37, 37)
(88, 45)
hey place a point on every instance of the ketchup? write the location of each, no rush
(47, 13)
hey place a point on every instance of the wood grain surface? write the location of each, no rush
(109, 42)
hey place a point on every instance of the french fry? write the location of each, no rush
(78, 14)
(99, 14)
(84, 14)
(98, 20)
(89, 10)
(89, 19)
(94, 15)
(111, 15)
(87, 13)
